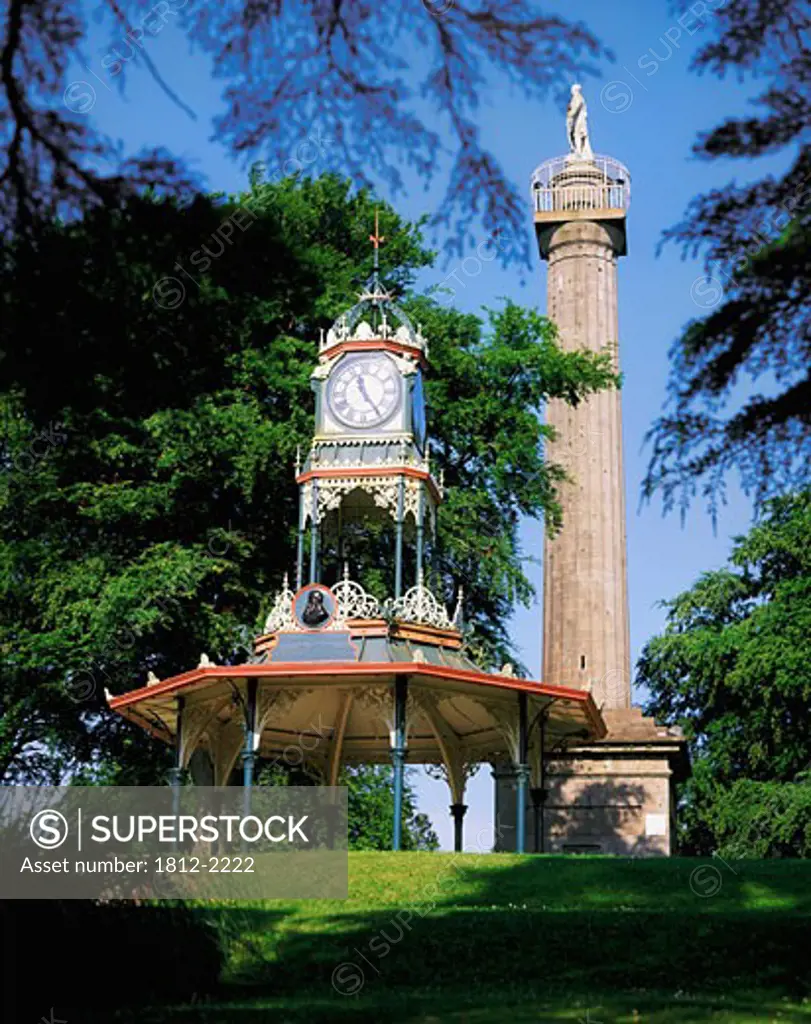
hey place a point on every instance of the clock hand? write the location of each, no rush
(365, 393)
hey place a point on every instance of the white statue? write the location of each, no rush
(577, 126)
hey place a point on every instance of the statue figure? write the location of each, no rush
(577, 126)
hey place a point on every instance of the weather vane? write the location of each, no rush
(377, 238)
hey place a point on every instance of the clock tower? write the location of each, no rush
(369, 458)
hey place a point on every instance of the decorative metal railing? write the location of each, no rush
(418, 605)
(563, 185)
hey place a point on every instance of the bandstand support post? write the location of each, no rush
(249, 751)
(398, 754)
(458, 813)
(420, 534)
(538, 794)
(521, 776)
(300, 543)
(398, 554)
(314, 536)
(176, 771)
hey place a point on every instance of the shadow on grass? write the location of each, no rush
(502, 1007)
(433, 938)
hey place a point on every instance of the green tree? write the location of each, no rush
(370, 807)
(359, 75)
(371, 811)
(733, 668)
(756, 240)
(762, 819)
(148, 504)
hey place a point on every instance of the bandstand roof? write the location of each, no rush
(311, 703)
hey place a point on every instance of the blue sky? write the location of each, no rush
(645, 111)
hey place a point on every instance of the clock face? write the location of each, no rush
(364, 391)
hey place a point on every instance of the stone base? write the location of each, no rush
(614, 796)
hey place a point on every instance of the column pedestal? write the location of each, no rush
(458, 814)
(538, 797)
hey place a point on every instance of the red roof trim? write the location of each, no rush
(307, 670)
(386, 344)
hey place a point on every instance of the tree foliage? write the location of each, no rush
(387, 83)
(733, 668)
(371, 811)
(155, 387)
(370, 803)
(756, 240)
(761, 819)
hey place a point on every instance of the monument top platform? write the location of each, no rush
(581, 188)
(571, 185)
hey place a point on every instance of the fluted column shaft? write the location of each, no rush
(585, 627)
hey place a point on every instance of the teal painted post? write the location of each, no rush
(300, 544)
(540, 845)
(176, 772)
(398, 555)
(398, 754)
(314, 536)
(521, 776)
(420, 533)
(249, 751)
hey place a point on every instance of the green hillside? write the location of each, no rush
(486, 939)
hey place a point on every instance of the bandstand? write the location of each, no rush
(340, 674)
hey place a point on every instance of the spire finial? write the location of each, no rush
(298, 459)
(346, 569)
(458, 611)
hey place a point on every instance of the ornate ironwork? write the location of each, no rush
(417, 605)
(351, 326)
(353, 601)
(281, 614)
(383, 491)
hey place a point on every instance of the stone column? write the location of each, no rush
(585, 624)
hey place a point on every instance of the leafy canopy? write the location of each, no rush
(391, 86)
(733, 668)
(756, 242)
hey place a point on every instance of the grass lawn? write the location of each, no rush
(485, 939)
